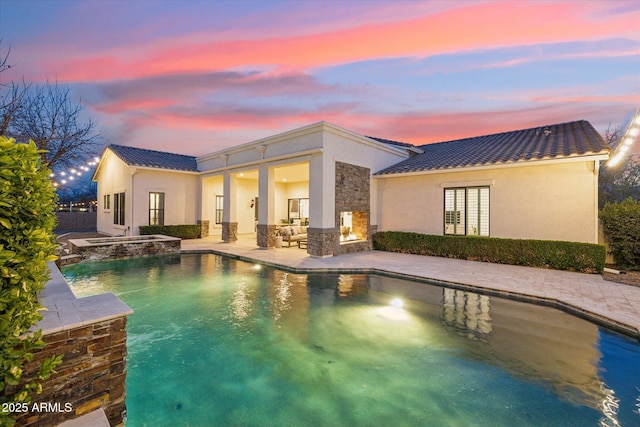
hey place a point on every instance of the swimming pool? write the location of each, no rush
(216, 341)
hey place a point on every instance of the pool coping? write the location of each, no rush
(64, 311)
(573, 309)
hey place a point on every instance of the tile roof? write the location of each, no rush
(540, 143)
(154, 159)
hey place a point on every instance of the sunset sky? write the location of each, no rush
(196, 76)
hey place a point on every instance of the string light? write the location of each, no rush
(72, 173)
(632, 131)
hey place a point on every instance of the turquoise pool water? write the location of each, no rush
(219, 342)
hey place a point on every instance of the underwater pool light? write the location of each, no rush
(397, 302)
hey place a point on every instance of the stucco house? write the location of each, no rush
(538, 183)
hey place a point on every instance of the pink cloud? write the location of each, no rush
(477, 26)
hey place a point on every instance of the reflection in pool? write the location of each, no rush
(215, 341)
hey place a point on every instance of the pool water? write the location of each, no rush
(219, 342)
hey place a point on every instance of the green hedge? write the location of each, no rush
(187, 231)
(27, 220)
(621, 227)
(584, 257)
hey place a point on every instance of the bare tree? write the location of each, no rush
(47, 115)
(621, 182)
(10, 96)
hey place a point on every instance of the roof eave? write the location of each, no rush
(159, 169)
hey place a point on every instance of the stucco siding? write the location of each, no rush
(181, 196)
(549, 202)
(114, 177)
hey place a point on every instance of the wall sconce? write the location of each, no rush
(252, 203)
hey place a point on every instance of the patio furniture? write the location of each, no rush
(293, 234)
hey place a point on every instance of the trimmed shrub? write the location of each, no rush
(187, 231)
(621, 227)
(584, 257)
(27, 220)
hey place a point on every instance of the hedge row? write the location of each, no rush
(583, 257)
(186, 231)
(621, 227)
(27, 220)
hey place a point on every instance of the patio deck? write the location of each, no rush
(613, 305)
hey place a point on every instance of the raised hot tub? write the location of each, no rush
(124, 246)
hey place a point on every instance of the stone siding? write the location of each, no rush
(353, 189)
(353, 194)
(126, 249)
(91, 376)
(266, 235)
(321, 242)
(204, 227)
(229, 232)
(354, 246)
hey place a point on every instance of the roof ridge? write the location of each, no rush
(390, 141)
(503, 133)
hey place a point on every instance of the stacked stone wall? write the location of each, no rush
(266, 235)
(91, 376)
(353, 189)
(204, 227)
(321, 242)
(353, 194)
(126, 249)
(229, 232)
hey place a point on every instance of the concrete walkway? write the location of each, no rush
(613, 305)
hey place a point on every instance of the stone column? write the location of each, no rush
(321, 242)
(229, 232)
(266, 232)
(266, 235)
(204, 227)
(229, 219)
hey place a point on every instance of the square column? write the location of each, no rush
(322, 234)
(229, 218)
(266, 232)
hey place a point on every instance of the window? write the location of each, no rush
(118, 208)
(106, 202)
(219, 209)
(466, 211)
(298, 209)
(156, 208)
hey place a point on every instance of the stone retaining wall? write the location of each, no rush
(90, 334)
(91, 376)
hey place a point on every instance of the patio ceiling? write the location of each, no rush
(290, 173)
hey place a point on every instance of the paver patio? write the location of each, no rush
(589, 296)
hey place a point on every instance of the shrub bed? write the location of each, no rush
(621, 227)
(186, 231)
(27, 220)
(583, 257)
